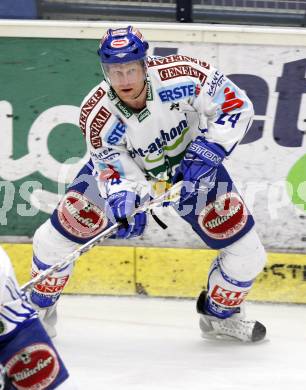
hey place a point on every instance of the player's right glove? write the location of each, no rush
(198, 168)
(122, 204)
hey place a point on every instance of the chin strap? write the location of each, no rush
(144, 85)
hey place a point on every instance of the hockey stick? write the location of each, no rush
(171, 196)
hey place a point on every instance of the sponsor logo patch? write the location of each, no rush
(124, 109)
(79, 217)
(176, 58)
(107, 155)
(88, 107)
(97, 125)
(217, 80)
(176, 92)
(224, 217)
(172, 72)
(51, 285)
(115, 133)
(167, 141)
(231, 101)
(119, 31)
(205, 153)
(34, 367)
(109, 173)
(149, 91)
(227, 297)
(143, 114)
(118, 43)
(111, 157)
(111, 94)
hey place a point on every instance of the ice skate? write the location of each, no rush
(233, 327)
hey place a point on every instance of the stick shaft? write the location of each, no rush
(172, 195)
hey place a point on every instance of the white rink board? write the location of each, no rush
(259, 168)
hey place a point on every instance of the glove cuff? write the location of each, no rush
(116, 196)
(209, 152)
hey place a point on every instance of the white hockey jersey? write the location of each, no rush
(186, 97)
(14, 308)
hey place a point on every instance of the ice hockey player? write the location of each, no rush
(152, 120)
(28, 359)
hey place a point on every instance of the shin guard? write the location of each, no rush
(225, 295)
(47, 292)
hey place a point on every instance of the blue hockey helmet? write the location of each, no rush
(122, 45)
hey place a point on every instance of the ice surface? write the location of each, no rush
(134, 343)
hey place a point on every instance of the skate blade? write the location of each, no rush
(211, 336)
(219, 337)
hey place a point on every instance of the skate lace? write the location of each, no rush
(234, 327)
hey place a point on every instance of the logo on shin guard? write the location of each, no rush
(224, 217)
(79, 217)
(51, 285)
(34, 367)
(227, 297)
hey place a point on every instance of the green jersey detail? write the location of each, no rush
(168, 148)
(171, 161)
(149, 91)
(112, 94)
(124, 109)
(155, 159)
(143, 114)
(178, 141)
(156, 172)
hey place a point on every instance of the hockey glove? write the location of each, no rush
(198, 168)
(122, 204)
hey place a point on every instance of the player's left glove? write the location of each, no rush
(122, 204)
(198, 168)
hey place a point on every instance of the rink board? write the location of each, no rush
(40, 62)
(167, 272)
